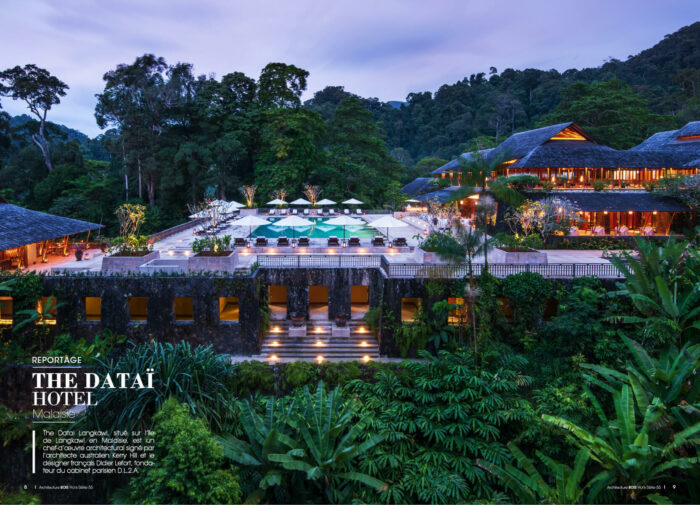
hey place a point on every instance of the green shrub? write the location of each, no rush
(189, 465)
(19, 496)
(528, 293)
(253, 377)
(13, 425)
(299, 373)
(198, 377)
(339, 374)
(214, 245)
(101, 347)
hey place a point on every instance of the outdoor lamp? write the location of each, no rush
(247, 244)
(390, 245)
(344, 243)
(294, 243)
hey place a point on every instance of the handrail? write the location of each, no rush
(421, 270)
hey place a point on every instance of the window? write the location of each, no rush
(47, 310)
(228, 308)
(459, 314)
(138, 308)
(93, 308)
(5, 310)
(183, 308)
(409, 309)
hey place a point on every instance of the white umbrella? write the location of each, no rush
(387, 222)
(234, 203)
(412, 200)
(352, 201)
(294, 222)
(300, 201)
(345, 221)
(229, 207)
(325, 201)
(276, 201)
(250, 221)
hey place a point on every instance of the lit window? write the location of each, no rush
(459, 314)
(138, 308)
(5, 310)
(183, 308)
(93, 308)
(228, 308)
(409, 309)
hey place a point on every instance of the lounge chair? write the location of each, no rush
(400, 242)
(346, 212)
(332, 212)
(272, 212)
(358, 212)
(303, 241)
(294, 212)
(378, 242)
(283, 242)
(354, 242)
(283, 212)
(306, 212)
(260, 242)
(333, 242)
(239, 242)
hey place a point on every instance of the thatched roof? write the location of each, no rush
(520, 144)
(418, 186)
(441, 195)
(616, 201)
(454, 165)
(586, 154)
(19, 226)
(672, 142)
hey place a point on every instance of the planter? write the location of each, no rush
(527, 257)
(341, 320)
(297, 320)
(203, 261)
(79, 254)
(126, 264)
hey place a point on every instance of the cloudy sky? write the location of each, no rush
(375, 48)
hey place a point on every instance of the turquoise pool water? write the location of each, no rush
(318, 230)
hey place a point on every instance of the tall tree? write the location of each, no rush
(281, 85)
(40, 91)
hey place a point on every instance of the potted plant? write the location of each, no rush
(78, 254)
(297, 320)
(341, 320)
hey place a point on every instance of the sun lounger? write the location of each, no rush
(294, 212)
(260, 242)
(303, 241)
(239, 242)
(346, 212)
(272, 212)
(283, 242)
(400, 242)
(332, 212)
(358, 212)
(354, 242)
(378, 242)
(333, 242)
(306, 212)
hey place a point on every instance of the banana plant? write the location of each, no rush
(307, 448)
(633, 452)
(671, 377)
(664, 286)
(529, 486)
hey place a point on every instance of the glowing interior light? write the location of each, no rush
(274, 357)
(320, 358)
(275, 343)
(365, 358)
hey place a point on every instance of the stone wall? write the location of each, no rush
(241, 337)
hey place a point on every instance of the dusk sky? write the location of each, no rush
(375, 48)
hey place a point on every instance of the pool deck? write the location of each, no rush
(179, 246)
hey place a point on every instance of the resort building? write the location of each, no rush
(28, 237)
(610, 187)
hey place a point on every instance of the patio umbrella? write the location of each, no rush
(230, 207)
(352, 201)
(345, 221)
(325, 201)
(276, 201)
(250, 221)
(388, 222)
(412, 200)
(300, 201)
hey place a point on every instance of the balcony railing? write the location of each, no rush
(417, 270)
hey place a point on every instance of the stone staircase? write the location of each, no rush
(279, 346)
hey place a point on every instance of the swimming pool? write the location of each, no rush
(318, 230)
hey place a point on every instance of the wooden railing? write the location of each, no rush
(417, 270)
